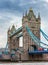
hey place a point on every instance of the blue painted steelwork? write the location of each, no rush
(36, 40)
(0, 53)
(6, 50)
(6, 46)
(18, 30)
(44, 34)
(38, 52)
(13, 52)
(19, 50)
(19, 35)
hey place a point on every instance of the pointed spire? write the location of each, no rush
(30, 10)
(23, 14)
(9, 31)
(26, 13)
(31, 14)
(38, 15)
(13, 28)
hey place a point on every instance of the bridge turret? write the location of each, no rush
(13, 29)
(34, 24)
(26, 13)
(39, 16)
(9, 32)
(31, 14)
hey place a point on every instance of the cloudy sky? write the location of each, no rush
(11, 12)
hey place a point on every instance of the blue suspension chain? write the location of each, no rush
(45, 36)
(31, 34)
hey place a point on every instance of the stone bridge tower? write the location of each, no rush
(33, 23)
(13, 42)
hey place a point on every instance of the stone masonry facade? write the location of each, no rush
(34, 23)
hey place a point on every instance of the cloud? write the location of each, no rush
(17, 21)
(11, 13)
(24, 3)
(6, 21)
(46, 1)
(3, 40)
(8, 5)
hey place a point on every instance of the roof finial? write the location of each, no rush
(30, 9)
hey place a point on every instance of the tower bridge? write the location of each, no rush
(32, 45)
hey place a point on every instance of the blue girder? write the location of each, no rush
(44, 34)
(38, 52)
(18, 30)
(34, 38)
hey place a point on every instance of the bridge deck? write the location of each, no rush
(38, 52)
